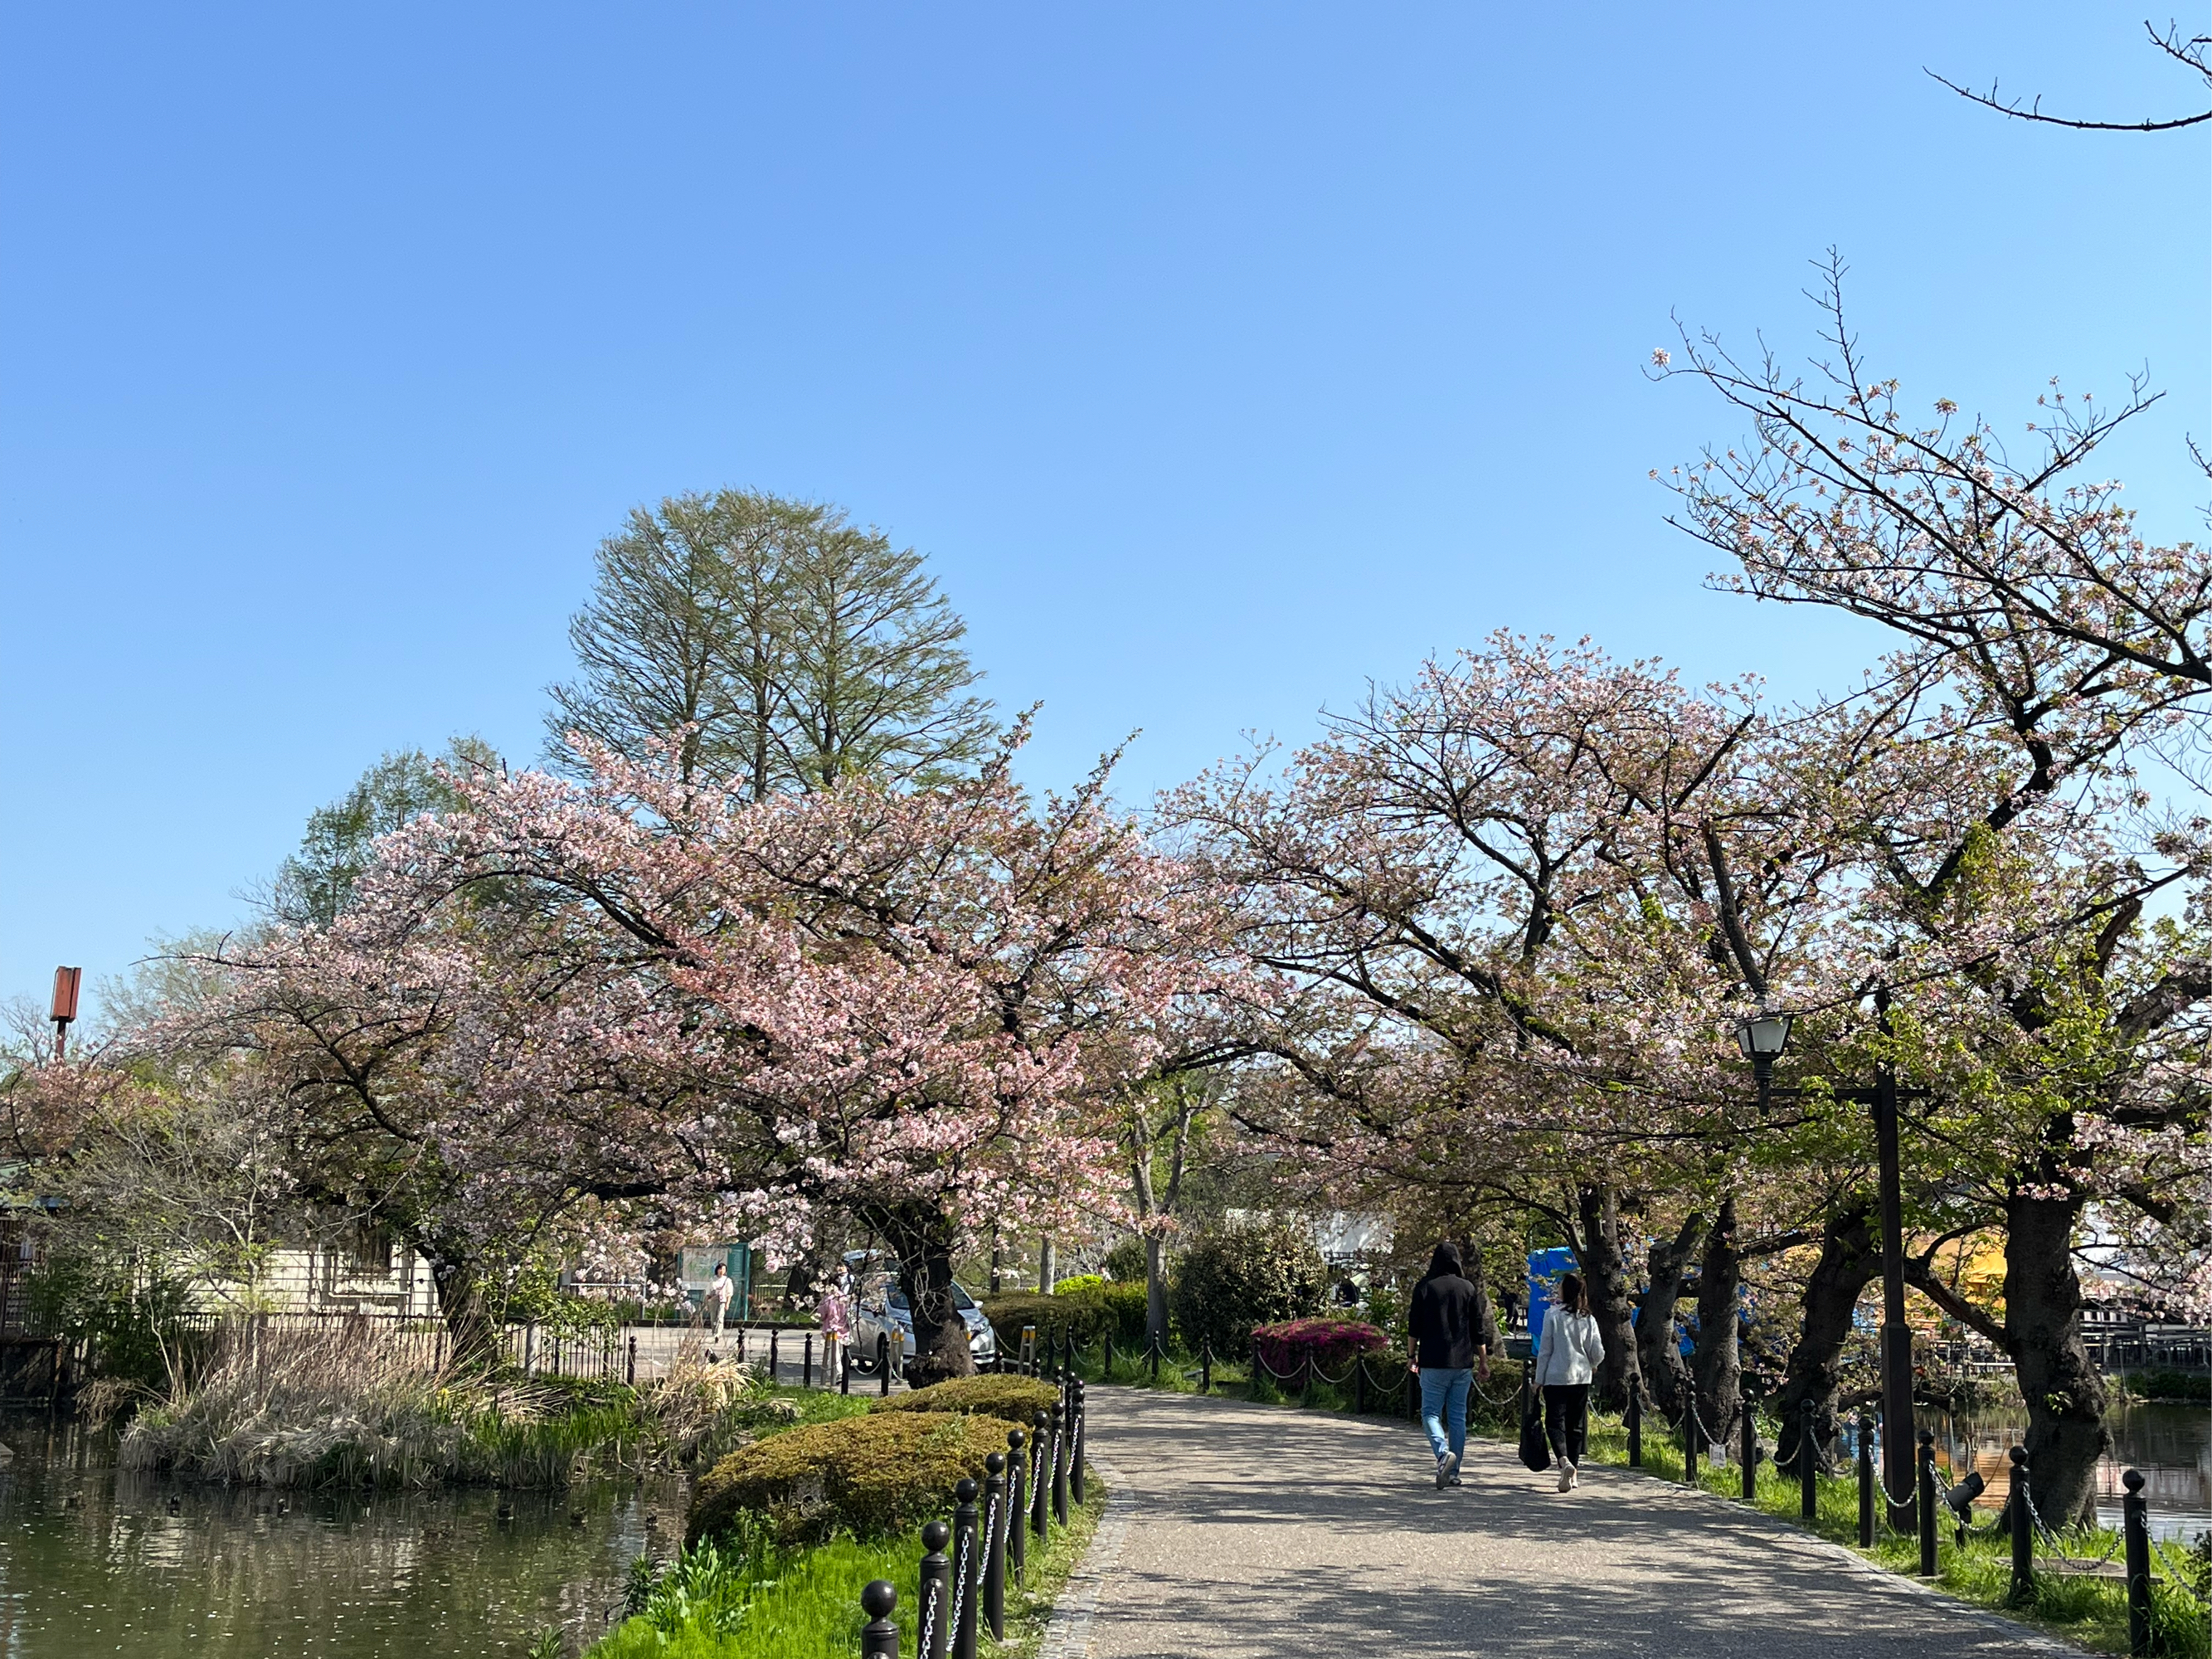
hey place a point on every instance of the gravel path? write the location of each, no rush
(1257, 1530)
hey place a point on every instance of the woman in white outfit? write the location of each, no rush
(1567, 1357)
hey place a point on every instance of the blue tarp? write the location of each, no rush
(1545, 1268)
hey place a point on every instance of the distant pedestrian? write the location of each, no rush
(836, 1316)
(1449, 1343)
(1511, 1303)
(1567, 1358)
(720, 1290)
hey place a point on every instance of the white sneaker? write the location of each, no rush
(1447, 1467)
(1566, 1477)
(1574, 1476)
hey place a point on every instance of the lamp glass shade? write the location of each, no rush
(1762, 1036)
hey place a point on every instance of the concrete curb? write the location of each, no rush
(1067, 1629)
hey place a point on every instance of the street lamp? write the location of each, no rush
(1762, 1036)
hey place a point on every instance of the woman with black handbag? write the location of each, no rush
(1568, 1355)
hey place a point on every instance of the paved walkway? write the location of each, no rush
(1253, 1530)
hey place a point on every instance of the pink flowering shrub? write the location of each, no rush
(1332, 1343)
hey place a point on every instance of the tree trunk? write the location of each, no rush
(1658, 1344)
(2066, 1431)
(461, 1304)
(1156, 1290)
(941, 1335)
(1486, 1331)
(1047, 1267)
(1599, 1251)
(1716, 1363)
(1850, 1260)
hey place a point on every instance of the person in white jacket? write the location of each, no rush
(1568, 1355)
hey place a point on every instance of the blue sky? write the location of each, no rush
(1220, 358)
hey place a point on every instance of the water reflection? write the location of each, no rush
(92, 1563)
(2171, 1444)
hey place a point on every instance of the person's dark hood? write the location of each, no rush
(1446, 1261)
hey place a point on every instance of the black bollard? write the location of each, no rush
(1018, 1497)
(2134, 1529)
(1749, 1451)
(844, 1364)
(966, 1547)
(1358, 1385)
(1068, 1369)
(994, 1544)
(1059, 1465)
(1156, 1362)
(1927, 1503)
(935, 1609)
(1635, 1418)
(883, 1365)
(1040, 1474)
(1689, 1444)
(741, 1345)
(2023, 1530)
(1108, 1367)
(1866, 1480)
(1305, 1380)
(806, 1373)
(1808, 1464)
(631, 1378)
(1078, 1438)
(879, 1636)
(1205, 1367)
(774, 1354)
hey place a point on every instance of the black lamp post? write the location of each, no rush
(1762, 1037)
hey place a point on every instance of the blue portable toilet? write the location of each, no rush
(1545, 1268)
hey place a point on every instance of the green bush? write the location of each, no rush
(1125, 1310)
(2180, 1387)
(1017, 1400)
(1080, 1282)
(1125, 1262)
(869, 1476)
(1241, 1276)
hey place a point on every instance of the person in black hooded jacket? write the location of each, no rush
(1452, 1335)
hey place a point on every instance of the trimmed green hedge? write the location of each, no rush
(1088, 1315)
(1016, 1400)
(884, 1472)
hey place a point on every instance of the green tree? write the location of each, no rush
(788, 647)
(315, 883)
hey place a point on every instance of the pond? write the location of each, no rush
(95, 1562)
(2171, 1444)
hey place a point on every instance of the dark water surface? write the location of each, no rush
(95, 1562)
(2171, 1445)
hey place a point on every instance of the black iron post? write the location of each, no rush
(2135, 1528)
(1927, 1503)
(806, 1373)
(1689, 1441)
(1109, 1362)
(1358, 1385)
(2021, 1519)
(934, 1610)
(883, 1365)
(1156, 1362)
(994, 1544)
(879, 1636)
(1866, 1480)
(1076, 1437)
(1896, 1335)
(844, 1364)
(1018, 1497)
(1257, 1371)
(774, 1354)
(1808, 1465)
(1635, 1416)
(1749, 1451)
(1040, 1473)
(630, 1376)
(1061, 1448)
(967, 1546)
(1205, 1367)
(1305, 1379)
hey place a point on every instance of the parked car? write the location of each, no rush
(883, 1317)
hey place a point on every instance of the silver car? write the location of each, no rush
(883, 1317)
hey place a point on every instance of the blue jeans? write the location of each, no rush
(1443, 1396)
